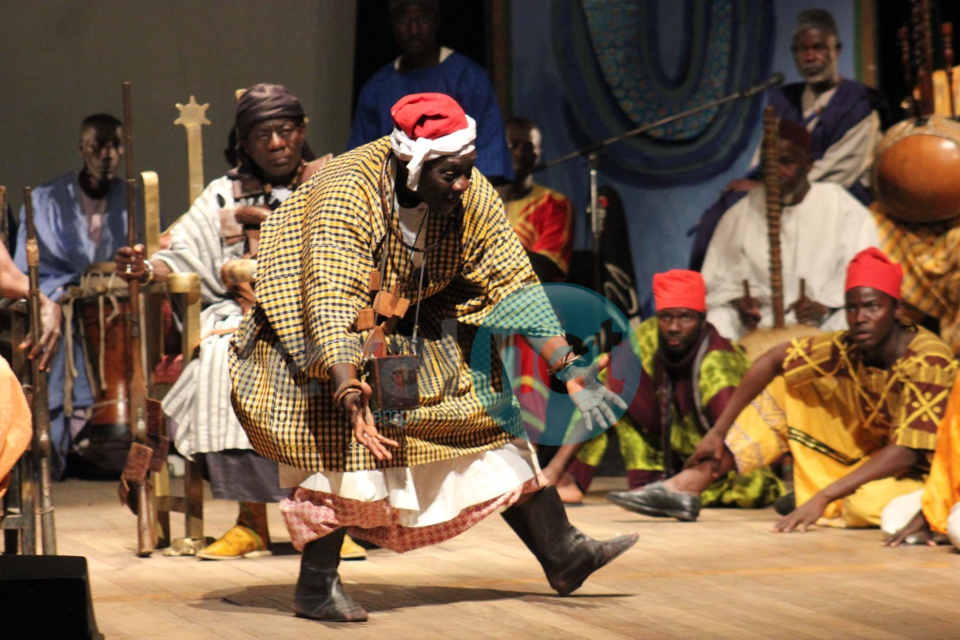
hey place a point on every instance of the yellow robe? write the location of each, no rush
(831, 412)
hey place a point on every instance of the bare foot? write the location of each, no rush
(569, 491)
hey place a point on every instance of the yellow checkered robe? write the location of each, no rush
(832, 412)
(316, 253)
(930, 256)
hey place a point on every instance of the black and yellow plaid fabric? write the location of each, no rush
(931, 267)
(316, 252)
(902, 405)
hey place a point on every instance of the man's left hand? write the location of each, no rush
(803, 516)
(49, 333)
(590, 397)
(251, 215)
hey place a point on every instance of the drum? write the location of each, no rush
(916, 169)
(101, 303)
(759, 341)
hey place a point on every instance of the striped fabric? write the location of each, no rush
(316, 253)
(199, 400)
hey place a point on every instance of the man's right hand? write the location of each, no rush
(748, 309)
(917, 526)
(356, 407)
(129, 263)
(709, 448)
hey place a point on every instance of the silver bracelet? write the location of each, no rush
(147, 276)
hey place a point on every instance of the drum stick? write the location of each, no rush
(39, 408)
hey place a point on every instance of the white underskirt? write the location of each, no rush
(430, 493)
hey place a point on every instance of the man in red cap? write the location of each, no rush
(821, 228)
(858, 409)
(401, 247)
(689, 372)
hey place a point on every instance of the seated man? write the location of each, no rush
(929, 514)
(842, 116)
(688, 373)
(541, 217)
(219, 231)
(81, 219)
(543, 221)
(858, 410)
(821, 228)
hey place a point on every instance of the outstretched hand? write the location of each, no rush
(589, 396)
(356, 407)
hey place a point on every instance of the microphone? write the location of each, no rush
(773, 81)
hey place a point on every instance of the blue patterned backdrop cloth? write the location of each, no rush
(616, 80)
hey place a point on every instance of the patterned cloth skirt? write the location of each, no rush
(407, 508)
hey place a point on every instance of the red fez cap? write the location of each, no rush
(428, 115)
(872, 268)
(796, 134)
(680, 289)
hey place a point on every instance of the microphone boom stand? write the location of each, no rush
(592, 153)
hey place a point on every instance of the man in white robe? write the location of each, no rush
(822, 227)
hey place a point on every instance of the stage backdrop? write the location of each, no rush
(587, 70)
(61, 60)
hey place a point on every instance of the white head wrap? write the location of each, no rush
(416, 152)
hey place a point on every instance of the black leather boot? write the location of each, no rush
(319, 594)
(567, 556)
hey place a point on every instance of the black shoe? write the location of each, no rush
(567, 556)
(785, 504)
(319, 594)
(658, 501)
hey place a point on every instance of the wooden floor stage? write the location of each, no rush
(725, 576)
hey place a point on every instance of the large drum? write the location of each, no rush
(101, 302)
(916, 175)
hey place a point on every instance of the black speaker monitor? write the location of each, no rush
(45, 597)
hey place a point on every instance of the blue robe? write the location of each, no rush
(65, 252)
(458, 77)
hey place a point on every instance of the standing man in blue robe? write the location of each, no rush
(81, 219)
(426, 67)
